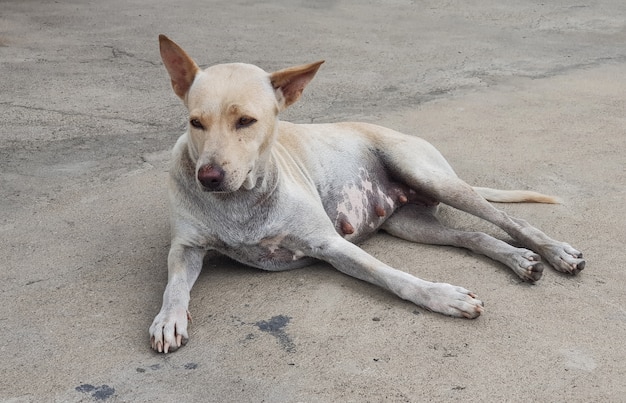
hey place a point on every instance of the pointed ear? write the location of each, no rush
(289, 83)
(179, 65)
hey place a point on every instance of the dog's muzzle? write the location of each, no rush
(211, 177)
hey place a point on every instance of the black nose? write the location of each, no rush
(211, 177)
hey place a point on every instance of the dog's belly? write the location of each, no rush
(360, 205)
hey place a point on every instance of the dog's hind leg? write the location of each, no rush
(419, 224)
(420, 166)
(560, 255)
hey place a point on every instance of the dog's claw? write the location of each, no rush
(169, 330)
(581, 265)
(156, 345)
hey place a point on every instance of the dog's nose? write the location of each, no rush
(211, 177)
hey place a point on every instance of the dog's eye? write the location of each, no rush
(196, 123)
(245, 121)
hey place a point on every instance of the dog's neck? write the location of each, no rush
(266, 177)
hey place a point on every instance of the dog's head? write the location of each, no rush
(233, 111)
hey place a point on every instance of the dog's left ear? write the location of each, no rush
(289, 83)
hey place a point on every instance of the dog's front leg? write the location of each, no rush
(438, 297)
(169, 328)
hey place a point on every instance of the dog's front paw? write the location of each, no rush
(454, 301)
(169, 329)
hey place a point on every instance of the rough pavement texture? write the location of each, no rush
(517, 94)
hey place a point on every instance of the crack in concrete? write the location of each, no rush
(117, 53)
(80, 114)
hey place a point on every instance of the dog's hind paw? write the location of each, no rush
(454, 301)
(565, 259)
(528, 266)
(168, 331)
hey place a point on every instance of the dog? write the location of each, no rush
(277, 196)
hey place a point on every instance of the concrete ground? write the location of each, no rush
(517, 94)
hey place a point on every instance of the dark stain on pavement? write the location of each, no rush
(97, 392)
(276, 327)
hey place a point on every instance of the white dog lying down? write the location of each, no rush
(278, 196)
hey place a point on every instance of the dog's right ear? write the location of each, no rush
(179, 65)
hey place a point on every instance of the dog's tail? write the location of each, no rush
(515, 196)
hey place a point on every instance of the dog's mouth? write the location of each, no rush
(210, 190)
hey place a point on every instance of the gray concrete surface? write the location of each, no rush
(517, 94)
